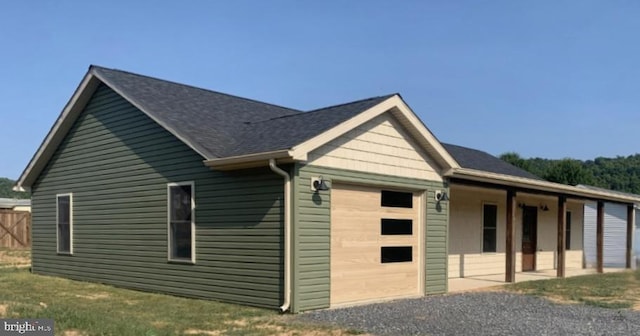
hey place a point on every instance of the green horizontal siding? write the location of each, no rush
(312, 236)
(117, 162)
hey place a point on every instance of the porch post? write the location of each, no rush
(510, 247)
(562, 231)
(600, 237)
(631, 218)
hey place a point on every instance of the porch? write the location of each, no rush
(501, 234)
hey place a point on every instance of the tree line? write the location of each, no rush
(6, 189)
(620, 173)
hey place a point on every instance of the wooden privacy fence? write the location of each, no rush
(15, 229)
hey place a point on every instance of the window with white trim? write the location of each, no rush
(64, 223)
(181, 221)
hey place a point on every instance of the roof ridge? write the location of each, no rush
(92, 66)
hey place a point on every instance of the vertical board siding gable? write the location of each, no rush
(117, 162)
(312, 234)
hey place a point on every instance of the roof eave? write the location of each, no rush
(249, 160)
(514, 181)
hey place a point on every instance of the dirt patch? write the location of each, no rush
(3, 310)
(74, 332)
(95, 296)
(15, 258)
(202, 332)
(559, 299)
(238, 323)
(159, 324)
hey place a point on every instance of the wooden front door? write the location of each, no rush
(529, 238)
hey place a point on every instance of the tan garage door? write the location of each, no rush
(375, 245)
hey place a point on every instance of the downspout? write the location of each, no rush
(287, 233)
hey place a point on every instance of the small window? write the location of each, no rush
(489, 227)
(394, 254)
(567, 238)
(64, 223)
(396, 226)
(396, 199)
(181, 222)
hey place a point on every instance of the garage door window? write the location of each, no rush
(396, 199)
(394, 254)
(396, 226)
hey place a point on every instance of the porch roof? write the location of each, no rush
(482, 168)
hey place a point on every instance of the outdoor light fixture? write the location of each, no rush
(319, 184)
(544, 207)
(441, 196)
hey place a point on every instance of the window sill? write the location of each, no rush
(64, 253)
(181, 261)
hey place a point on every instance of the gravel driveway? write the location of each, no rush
(484, 313)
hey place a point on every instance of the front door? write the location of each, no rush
(529, 233)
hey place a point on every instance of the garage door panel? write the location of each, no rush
(357, 270)
(335, 206)
(370, 239)
(387, 285)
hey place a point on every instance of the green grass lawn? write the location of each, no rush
(610, 290)
(80, 308)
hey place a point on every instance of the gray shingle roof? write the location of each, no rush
(479, 160)
(288, 131)
(222, 125)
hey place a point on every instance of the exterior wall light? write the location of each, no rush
(319, 184)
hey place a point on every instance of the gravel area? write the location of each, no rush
(484, 313)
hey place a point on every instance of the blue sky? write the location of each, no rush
(546, 79)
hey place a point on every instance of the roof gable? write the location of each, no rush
(222, 128)
(402, 113)
(381, 146)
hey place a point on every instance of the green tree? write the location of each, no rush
(6, 189)
(516, 160)
(569, 171)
